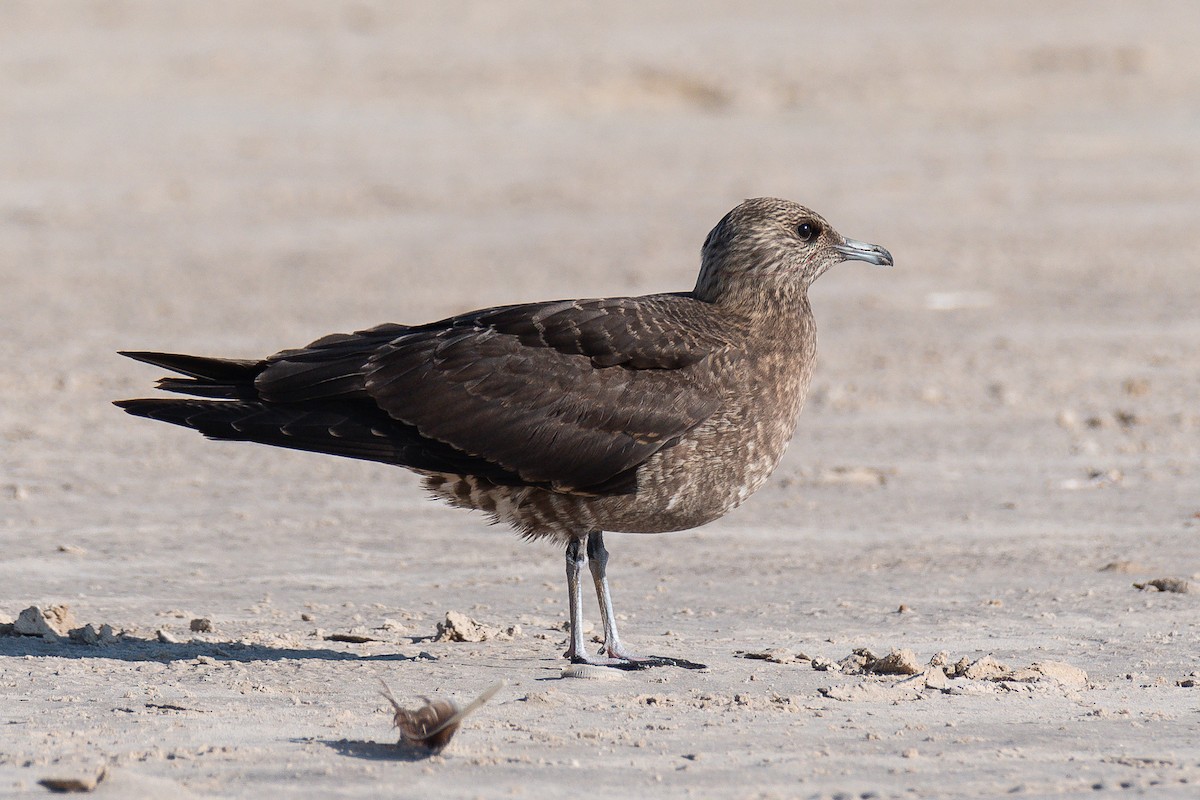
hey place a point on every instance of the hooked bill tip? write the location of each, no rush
(854, 250)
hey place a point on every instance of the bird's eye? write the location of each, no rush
(807, 231)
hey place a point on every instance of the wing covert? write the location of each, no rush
(570, 394)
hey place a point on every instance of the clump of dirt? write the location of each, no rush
(73, 785)
(1177, 585)
(50, 623)
(989, 669)
(91, 635)
(458, 627)
(982, 669)
(897, 662)
(864, 662)
(56, 622)
(775, 655)
(939, 675)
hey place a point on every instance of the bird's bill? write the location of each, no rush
(853, 250)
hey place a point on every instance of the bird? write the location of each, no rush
(563, 419)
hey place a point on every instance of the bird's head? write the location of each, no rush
(767, 248)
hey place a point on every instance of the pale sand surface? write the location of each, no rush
(1008, 411)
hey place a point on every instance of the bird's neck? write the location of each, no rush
(762, 302)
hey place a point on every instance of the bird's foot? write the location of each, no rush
(580, 655)
(660, 661)
(619, 652)
(620, 658)
(635, 661)
(601, 661)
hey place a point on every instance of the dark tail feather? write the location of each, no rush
(225, 370)
(322, 431)
(340, 429)
(227, 378)
(188, 413)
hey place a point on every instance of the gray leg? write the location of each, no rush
(588, 548)
(597, 558)
(576, 556)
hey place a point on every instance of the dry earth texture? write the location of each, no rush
(1002, 439)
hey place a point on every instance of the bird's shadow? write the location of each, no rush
(378, 751)
(132, 648)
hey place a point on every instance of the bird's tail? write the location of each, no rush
(225, 404)
(223, 378)
(322, 430)
(232, 410)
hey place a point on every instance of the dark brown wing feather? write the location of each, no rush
(570, 395)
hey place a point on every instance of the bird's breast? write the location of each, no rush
(729, 456)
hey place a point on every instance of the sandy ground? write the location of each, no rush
(995, 421)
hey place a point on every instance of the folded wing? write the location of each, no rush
(570, 395)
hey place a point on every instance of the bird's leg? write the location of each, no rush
(597, 558)
(576, 556)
